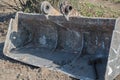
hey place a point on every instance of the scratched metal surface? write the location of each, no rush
(113, 67)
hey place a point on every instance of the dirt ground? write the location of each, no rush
(14, 70)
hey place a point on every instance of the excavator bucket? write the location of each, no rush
(78, 46)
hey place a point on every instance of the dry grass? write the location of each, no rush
(115, 1)
(93, 10)
(85, 8)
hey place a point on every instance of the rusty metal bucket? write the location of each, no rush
(78, 47)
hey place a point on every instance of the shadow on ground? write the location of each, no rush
(1, 51)
(6, 17)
